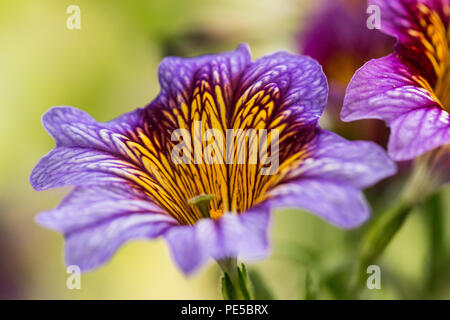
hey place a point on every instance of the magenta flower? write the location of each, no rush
(409, 89)
(127, 185)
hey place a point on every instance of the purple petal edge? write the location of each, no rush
(244, 236)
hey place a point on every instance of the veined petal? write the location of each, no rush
(97, 220)
(417, 132)
(341, 205)
(357, 163)
(410, 89)
(385, 89)
(232, 80)
(92, 247)
(286, 94)
(298, 83)
(179, 77)
(77, 166)
(421, 27)
(282, 92)
(400, 16)
(232, 235)
(329, 182)
(71, 127)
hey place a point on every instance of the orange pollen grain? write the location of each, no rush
(215, 214)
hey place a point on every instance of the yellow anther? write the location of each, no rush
(215, 214)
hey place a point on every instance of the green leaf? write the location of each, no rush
(244, 282)
(234, 281)
(310, 288)
(260, 289)
(227, 288)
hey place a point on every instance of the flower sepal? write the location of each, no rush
(235, 283)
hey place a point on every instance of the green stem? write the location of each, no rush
(377, 238)
(434, 216)
(383, 231)
(421, 183)
(234, 281)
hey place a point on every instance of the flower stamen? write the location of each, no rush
(202, 203)
(215, 214)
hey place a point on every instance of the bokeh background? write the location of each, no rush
(110, 67)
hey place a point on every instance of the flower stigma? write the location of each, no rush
(202, 203)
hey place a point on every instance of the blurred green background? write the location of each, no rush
(110, 67)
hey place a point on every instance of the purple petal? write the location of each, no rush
(76, 166)
(399, 16)
(281, 91)
(384, 89)
(417, 132)
(97, 220)
(71, 127)
(186, 249)
(244, 236)
(296, 85)
(356, 163)
(407, 89)
(337, 203)
(301, 84)
(329, 182)
(178, 76)
(91, 247)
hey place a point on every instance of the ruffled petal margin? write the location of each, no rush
(244, 236)
(385, 89)
(97, 220)
(329, 183)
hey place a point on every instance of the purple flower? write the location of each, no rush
(409, 89)
(337, 37)
(127, 186)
